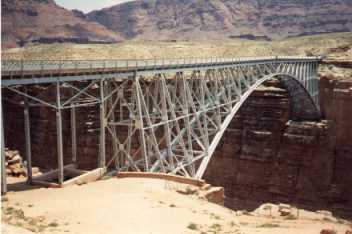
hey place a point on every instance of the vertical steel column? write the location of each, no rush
(27, 131)
(186, 98)
(102, 126)
(140, 124)
(73, 134)
(110, 109)
(205, 137)
(316, 85)
(305, 74)
(165, 118)
(3, 159)
(60, 158)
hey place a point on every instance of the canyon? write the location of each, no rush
(264, 156)
(273, 171)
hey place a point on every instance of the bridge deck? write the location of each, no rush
(17, 72)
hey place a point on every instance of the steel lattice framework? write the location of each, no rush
(161, 115)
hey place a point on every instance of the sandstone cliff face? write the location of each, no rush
(266, 157)
(204, 19)
(25, 21)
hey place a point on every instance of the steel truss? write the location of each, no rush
(168, 119)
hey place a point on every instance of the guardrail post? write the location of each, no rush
(22, 68)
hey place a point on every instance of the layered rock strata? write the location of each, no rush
(266, 157)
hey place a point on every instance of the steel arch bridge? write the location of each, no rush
(160, 115)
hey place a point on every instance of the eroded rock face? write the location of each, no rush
(265, 157)
(26, 21)
(251, 19)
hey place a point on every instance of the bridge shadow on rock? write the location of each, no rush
(302, 106)
(277, 150)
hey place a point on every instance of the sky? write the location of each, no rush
(88, 5)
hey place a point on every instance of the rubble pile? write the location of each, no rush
(14, 163)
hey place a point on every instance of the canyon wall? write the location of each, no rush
(265, 157)
(44, 135)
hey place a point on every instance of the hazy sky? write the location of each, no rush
(88, 5)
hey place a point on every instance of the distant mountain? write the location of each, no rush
(203, 19)
(25, 21)
(43, 21)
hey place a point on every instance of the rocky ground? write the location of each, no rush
(139, 205)
(335, 45)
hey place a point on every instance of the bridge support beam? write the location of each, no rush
(60, 157)
(73, 134)
(102, 155)
(140, 123)
(27, 130)
(3, 157)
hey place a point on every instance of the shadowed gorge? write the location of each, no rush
(266, 157)
(176, 117)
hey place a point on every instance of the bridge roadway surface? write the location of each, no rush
(22, 72)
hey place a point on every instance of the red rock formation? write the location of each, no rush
(265, 157)
(25, 21)
(251, 19)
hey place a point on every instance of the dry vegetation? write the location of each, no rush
(336, 45)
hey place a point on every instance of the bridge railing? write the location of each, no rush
(39, 66)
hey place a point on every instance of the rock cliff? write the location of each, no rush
(204, 19)
(266, 157)
(42, 21)
(25, 21)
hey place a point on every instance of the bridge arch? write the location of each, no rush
(302, 107)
